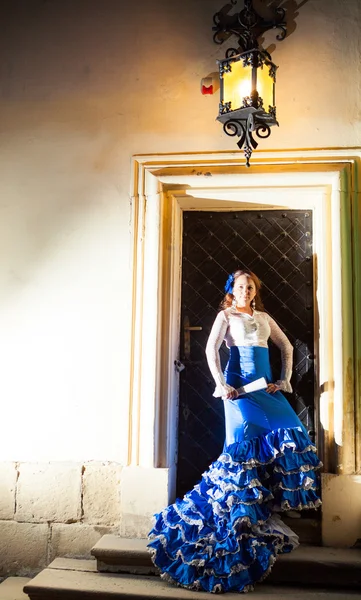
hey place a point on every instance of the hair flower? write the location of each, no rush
(228, 288)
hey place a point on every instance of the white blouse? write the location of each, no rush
(239, 329)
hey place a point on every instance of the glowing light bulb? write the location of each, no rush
(244, 89)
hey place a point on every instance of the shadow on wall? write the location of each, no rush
(96, 73)
(267, 9)
(292, 12)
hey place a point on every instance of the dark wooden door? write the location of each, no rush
(277, 246)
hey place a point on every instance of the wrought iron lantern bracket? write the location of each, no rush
(247, 25)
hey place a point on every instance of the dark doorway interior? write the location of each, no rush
(277, 246)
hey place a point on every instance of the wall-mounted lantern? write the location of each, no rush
(247, 76)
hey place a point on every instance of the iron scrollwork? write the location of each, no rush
(224, 107)
(245, 129)
(248, 26)
(224, 67)
(231, 52)
(272, 71)
(272, 112)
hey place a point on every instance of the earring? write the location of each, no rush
(234, 302)
(253, 303)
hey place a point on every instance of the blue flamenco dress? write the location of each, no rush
(226, 533)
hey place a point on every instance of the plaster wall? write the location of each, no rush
(84, 86)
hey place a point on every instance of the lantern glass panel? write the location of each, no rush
(237, 84)
(265, 87)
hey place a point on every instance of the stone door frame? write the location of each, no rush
(162, 187)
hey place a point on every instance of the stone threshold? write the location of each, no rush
(12, 588)
(74, 584)
(325, 570)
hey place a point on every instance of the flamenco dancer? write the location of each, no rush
(226, 533)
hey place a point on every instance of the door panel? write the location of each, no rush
(277, 246)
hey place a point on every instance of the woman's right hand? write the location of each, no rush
(272, 388)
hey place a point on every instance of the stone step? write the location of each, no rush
(125, 555)
(81, 582)
(114, 553)
(12, 588)
(308, 529)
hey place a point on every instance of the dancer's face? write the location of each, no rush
(244, 290)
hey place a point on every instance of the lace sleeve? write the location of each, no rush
(215, 340)
(282, 342)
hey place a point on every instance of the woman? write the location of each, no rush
(225, 534)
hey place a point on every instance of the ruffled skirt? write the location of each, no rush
(225, 534)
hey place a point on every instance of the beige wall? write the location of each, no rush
(84, 86)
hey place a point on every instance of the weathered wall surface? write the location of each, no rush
(55, 509)
(341, 510)
(84, 86)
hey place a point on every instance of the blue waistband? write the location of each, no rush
(247, 363)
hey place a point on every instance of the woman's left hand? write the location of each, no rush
(272, 388)
(232, 394)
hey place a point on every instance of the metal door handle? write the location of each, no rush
(187, 336)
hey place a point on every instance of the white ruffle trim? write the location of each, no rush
(225, 487)
(196, 586)
(273, 526)
(303, 468)
(308, 484)
(198, 522)
(254, 462)
(285, 505)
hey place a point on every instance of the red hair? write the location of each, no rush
(228, 299)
